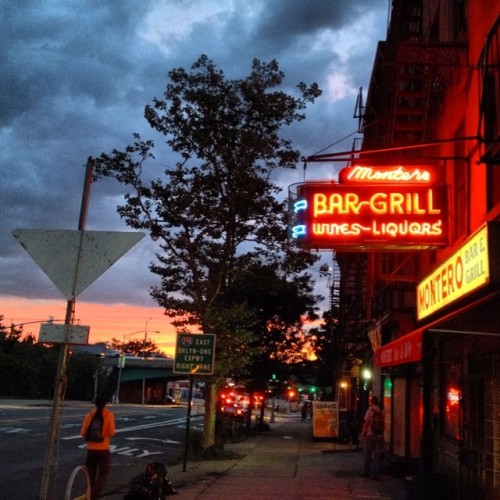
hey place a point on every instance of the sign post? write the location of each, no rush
(72, 260)
(194, 355)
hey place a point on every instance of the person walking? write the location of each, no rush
(304, 411)
(373, 435)
(98, 428)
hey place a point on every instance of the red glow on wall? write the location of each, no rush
(372, 207)
(452, 411)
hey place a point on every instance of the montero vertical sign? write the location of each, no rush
(473, 266)
(194, 354)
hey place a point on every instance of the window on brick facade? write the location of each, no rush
(461, 167)
(489, 123)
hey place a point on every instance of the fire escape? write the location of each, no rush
(490, 96)
(412, 70)
(410, 76)
(353, 293)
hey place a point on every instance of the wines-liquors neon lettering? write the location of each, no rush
(378, 203)
(376, 228)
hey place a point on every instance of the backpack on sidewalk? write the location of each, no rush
(154, 484)
(94, 430)
(378, 423)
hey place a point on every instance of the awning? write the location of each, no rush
(405, 349)
(408, 348)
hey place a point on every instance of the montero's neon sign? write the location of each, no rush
(372, 207)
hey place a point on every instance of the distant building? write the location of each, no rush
(98, 349)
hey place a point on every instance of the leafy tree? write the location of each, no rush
(9, 338)
(216, 212)
(136, 347)
(282, 305)
(28, 369)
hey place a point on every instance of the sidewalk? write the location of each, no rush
(285, 463)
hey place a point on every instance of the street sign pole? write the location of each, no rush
(188, 422)
(194, 354)
(72, 260)
(61, 378)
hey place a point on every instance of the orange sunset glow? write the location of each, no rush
(106, 321)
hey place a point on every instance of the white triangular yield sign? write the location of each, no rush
(75, 259)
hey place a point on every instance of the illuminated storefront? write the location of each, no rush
(446, 367)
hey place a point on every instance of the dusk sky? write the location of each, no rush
(76, 77)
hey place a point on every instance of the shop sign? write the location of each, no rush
(465, 271)
(325, 419)
(372, 207)
(406, 349)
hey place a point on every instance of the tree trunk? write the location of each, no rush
(208, 439)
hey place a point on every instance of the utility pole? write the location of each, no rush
(61, 378)
(82, 256)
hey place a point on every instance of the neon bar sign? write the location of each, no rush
(372, 207)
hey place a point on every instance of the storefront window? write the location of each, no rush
(388, 408)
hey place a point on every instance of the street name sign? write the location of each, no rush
(194, 354)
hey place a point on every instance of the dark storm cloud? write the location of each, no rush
(49, 51)
(71, 72)
(77, 75)
(282, 21)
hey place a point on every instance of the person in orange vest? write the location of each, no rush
(98, 428)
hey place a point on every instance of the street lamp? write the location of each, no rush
(343, 386)
(121, 364)
(366, 375)
(127, 335)
(145, 337)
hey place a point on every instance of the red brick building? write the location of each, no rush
(432, 314)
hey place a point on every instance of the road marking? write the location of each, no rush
(139, 427)
(13, 430)
(167, 441)
(129, 452)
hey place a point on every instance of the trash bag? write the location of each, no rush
(154, 484)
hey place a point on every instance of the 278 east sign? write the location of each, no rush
(389, 207)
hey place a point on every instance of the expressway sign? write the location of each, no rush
(194, 354)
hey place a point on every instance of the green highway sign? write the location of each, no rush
(194, 353)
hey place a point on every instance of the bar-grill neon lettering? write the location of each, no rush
(378, 203)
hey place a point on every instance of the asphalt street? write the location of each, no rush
(144, 434)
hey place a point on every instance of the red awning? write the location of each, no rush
(405, 349)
